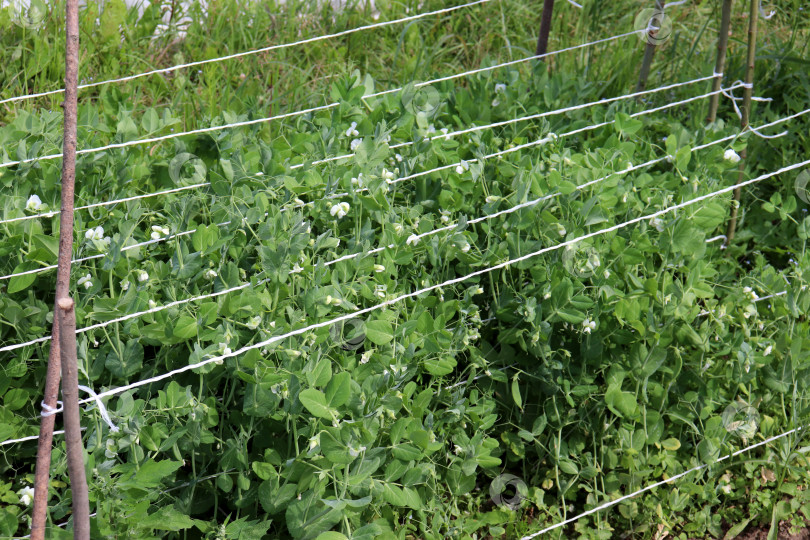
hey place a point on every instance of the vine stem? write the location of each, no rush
(753, 15)
(52, 378)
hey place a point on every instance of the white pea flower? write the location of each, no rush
(366, 356)
(457, 450)
(296, 269)
(767, 350)
(254, 322)
(546, 296)
(567, 161)
(26, 495)
(658, 223)
(355, 143)
(492, 198)
(158, 232)
(412, 240)
(314, 441)
(152, 304)
(388, 175)
(340, 209)
(731, 155)
(380, 290)
(86, 281)
(328, 300)
(398, 228)
(34, 203)
(444, 131)
(125, 285)
(561, 230)
(210, 274)
(299, 202)
(479, 290)
(358, 181)
(142, 275)
(466, 247)
(398, 158)
(500, 88)
(588, 326)
(496, 102)
(352, 131)
(463, 166)
(667, 299)
(379, 268)
(98, 233)
(445, 215)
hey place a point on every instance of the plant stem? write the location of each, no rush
(72, 418)
(545, 27)
(720, 65)
(70, 105)
(649, 50)
(753, 15)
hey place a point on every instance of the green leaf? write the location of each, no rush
(20, 283)
(339, 390)
(321, 373)
(671, 444)
(185, 327)
(332, 535)
(621, 403)
(315, 402)
(167, 519)
(153, 473)
(379, 332)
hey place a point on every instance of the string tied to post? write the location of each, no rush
(729, 93)
(47, 410)
(101, 408)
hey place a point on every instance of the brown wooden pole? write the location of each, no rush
(753, 16)
(545, 27)
(70, 105)
(720, 64)
(72, 418)
(649, 50)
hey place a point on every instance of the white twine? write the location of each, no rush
(762, 12)
(730, 95)
(101, 408)
(47, 410)
(252, 52)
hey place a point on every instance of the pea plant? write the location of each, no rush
(478, 334)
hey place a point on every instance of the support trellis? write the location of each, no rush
(62, 356)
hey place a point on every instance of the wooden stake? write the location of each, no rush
(720, 65)
(649, 51)
(72, 418)
(545, 27)
(753, 16)
(70, 105)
